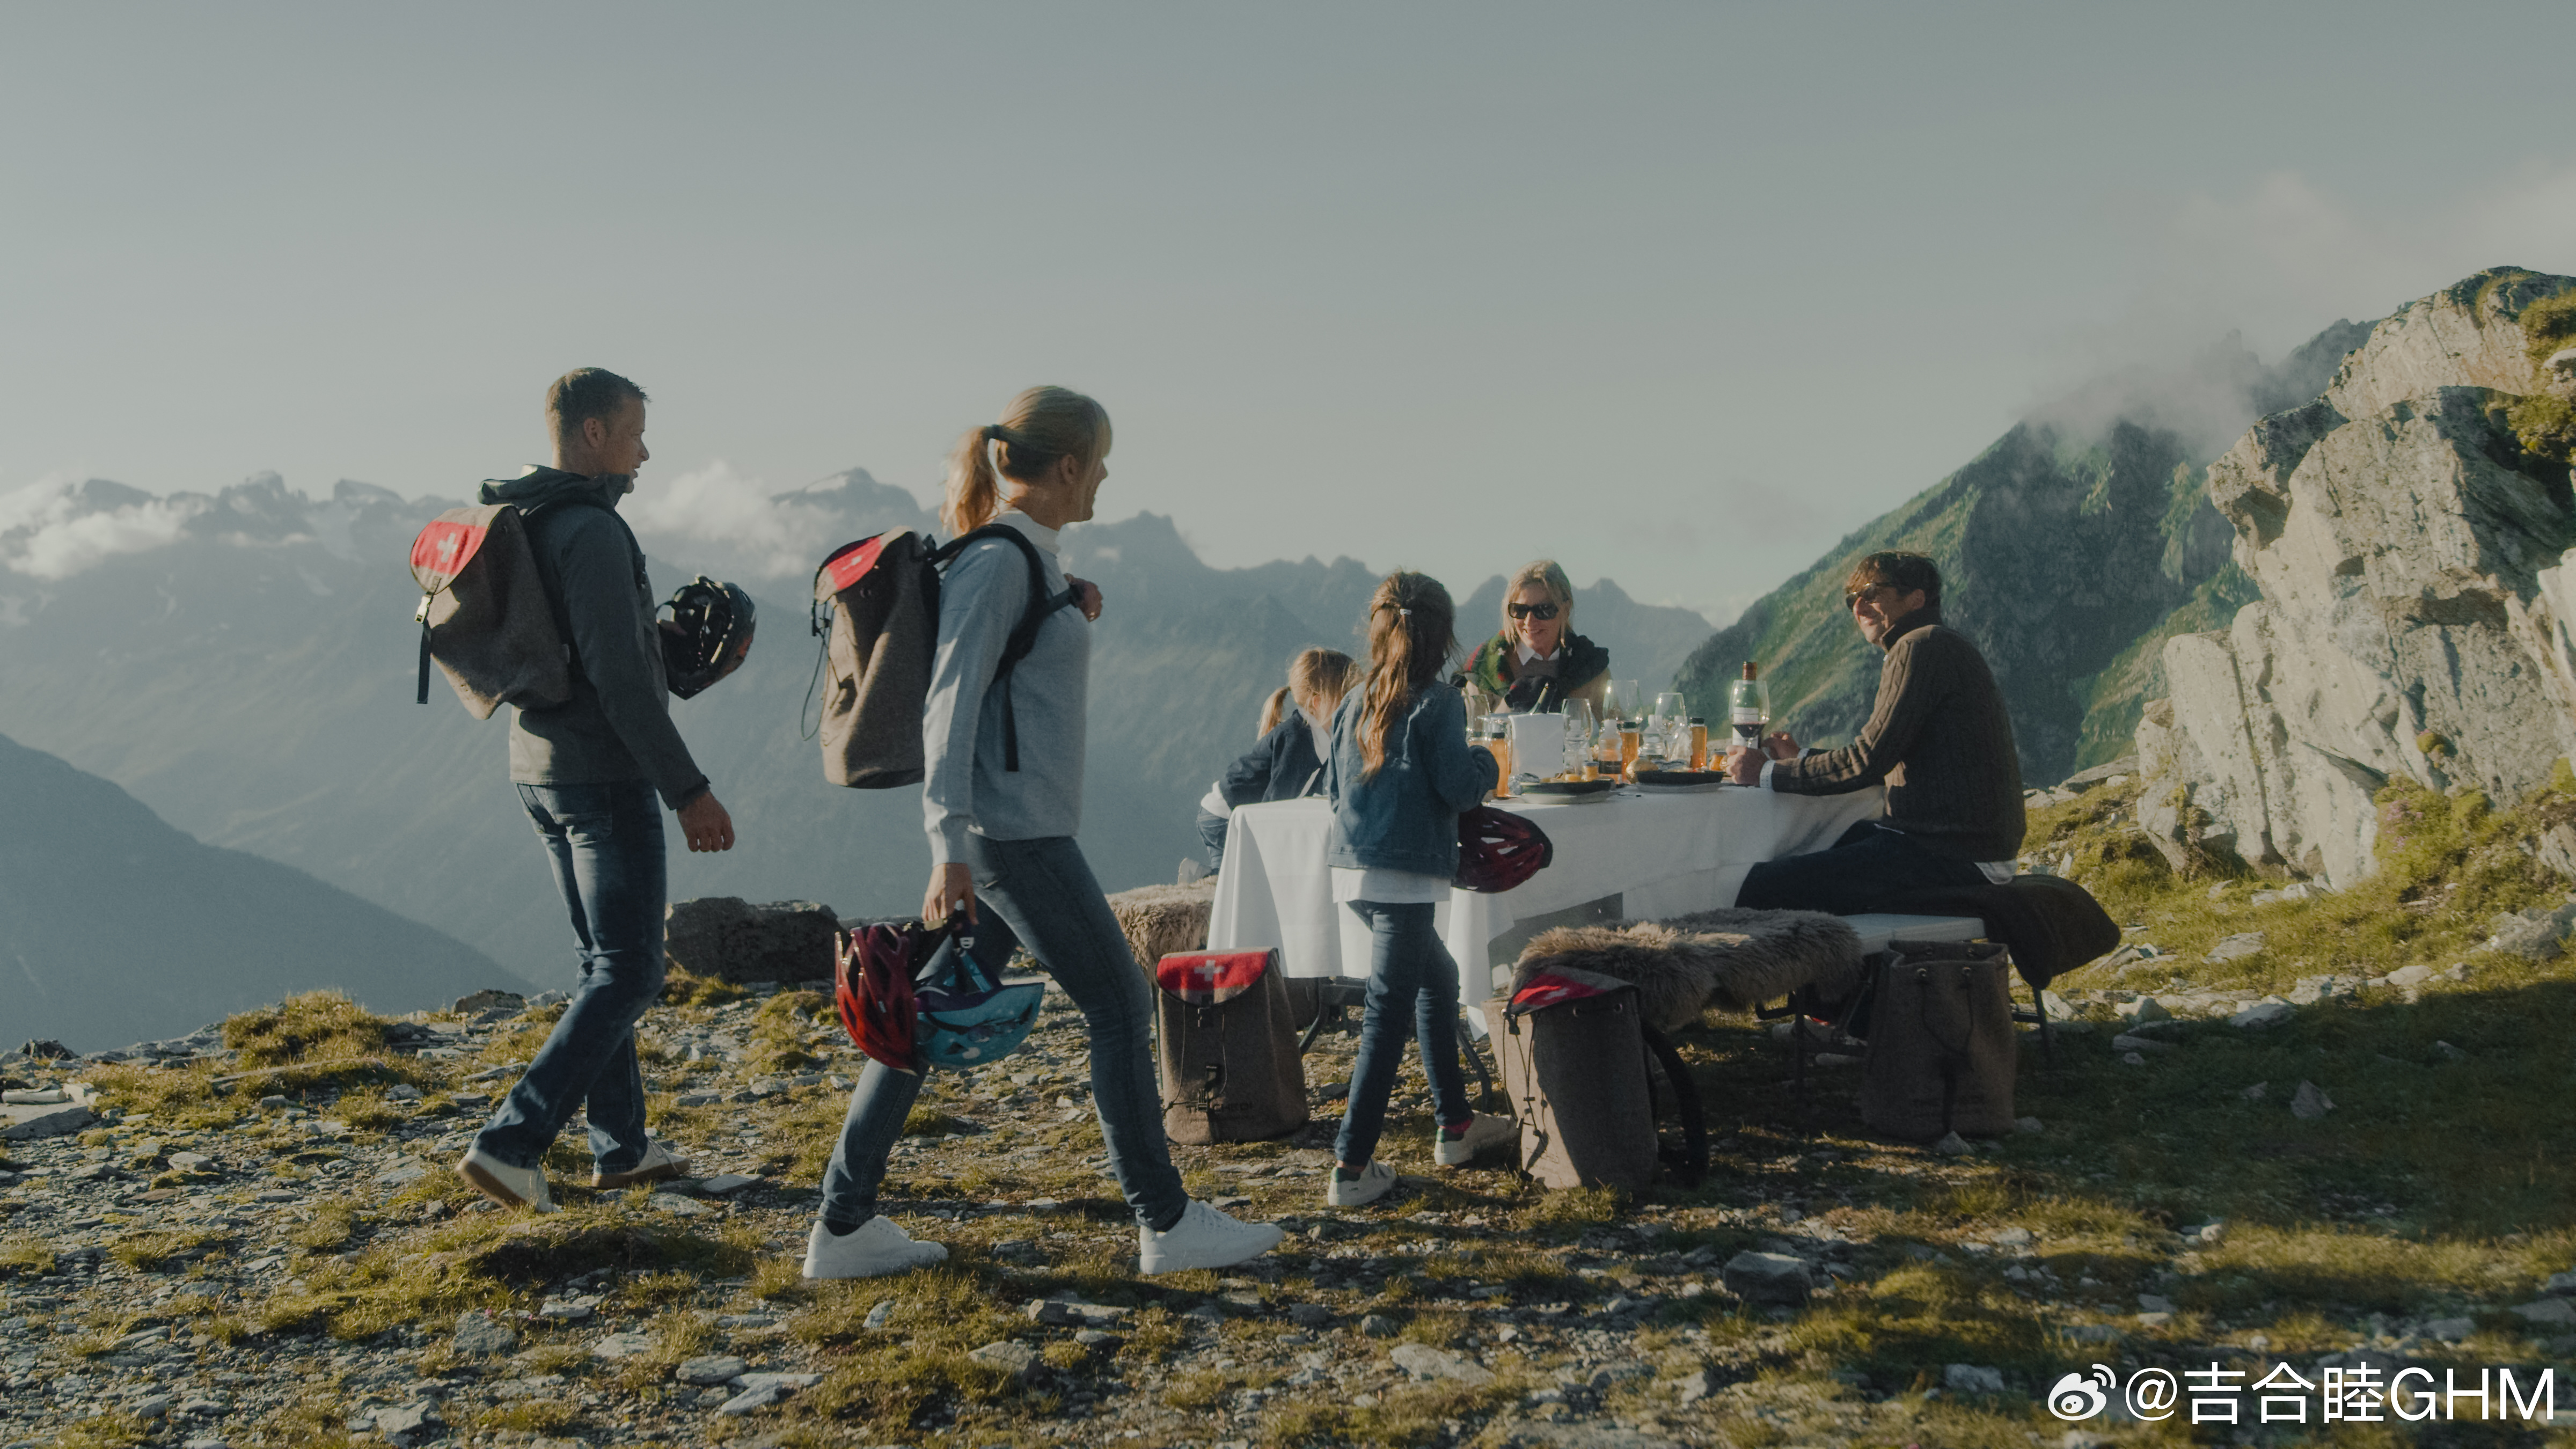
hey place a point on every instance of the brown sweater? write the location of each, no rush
(1941, 739)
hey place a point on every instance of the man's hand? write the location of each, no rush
(1782, 745)
(1086, 594)
(952, 888)
(706, 824)
(1744, 766)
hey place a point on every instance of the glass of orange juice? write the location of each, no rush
(1501, 745)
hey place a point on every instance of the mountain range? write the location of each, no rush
(242, 662)
(115, 927)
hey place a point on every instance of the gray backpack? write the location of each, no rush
(484, 615)
(876, 609)
(1228, 1048)
(1941, 1050)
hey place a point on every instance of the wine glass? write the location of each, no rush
(1578, 732)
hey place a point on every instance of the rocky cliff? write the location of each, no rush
(2407, 535)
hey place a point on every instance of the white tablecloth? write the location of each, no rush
(1666, 854)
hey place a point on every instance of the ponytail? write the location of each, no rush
(1410, 635)
(1273, 710)
(973, 497)
(1039, 427)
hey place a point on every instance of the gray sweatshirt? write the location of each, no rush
(964, 787)
(617, 725)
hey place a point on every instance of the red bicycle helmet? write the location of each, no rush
(1497, 850)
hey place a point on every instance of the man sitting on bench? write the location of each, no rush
(1938, 736)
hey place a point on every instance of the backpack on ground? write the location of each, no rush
(1228, 1048)
(484, 615)
(1941, 1049)
(1573, 1052)
(876, 608)
(901, 1010)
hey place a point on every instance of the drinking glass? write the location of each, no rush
(1621, 700)
(1669, 710)
(1578, 733)
(1500, 744)
(1477, 707)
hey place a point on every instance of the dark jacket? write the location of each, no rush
(1940, 737)
(1405, 817)
(617, 725)
(1579, 662)
(1278, 768)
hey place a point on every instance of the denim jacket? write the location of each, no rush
(1406, 816)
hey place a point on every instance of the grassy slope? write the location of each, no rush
(2438, 1187)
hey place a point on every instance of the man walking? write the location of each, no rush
(1939, 736)
(588, 772)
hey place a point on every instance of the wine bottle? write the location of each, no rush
(1748, 706)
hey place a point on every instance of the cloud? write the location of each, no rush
(717, 510)
(57, 528)
(2272, 265)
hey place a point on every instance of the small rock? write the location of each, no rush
(1697, 1385)
(2560, 1283)
(2448, 1052)
(2310, 1103)
(708, 1370)
(157, 1406)
(568, 1310)
(1425, 1362)
(2255, 1092)
(2451, 1330)
(2210, 1234)
(1016, 1359)
(678, 1206)
(1953, 1145)
(1378, 1325)
(2130, 1042)
(40, 1123)
(1066, 1313)
(410, 1424)
(623, 1345)
(2093, 1333)
(2030, 1125)
(2154, 1303)
(2548, 1312)
(2013, 1238)
(880, 1315)
(2410, 976)
(1968, 1378)
(2237, 947)
(752, 1401)
(2263, 1014)
(478, 1333)
(1316, 1315)
(1775, 1278)
(2144, 1010)
(724, 1184)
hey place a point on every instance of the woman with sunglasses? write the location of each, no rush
(1538, 662)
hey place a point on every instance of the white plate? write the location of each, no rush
(1710, 787)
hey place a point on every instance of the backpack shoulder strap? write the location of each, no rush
(1024, 635)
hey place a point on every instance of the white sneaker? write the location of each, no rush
(871, 1250)
(1482, 1132)
(509, 1186)
(659, 1164)
(1375, 1181)
(1203, 1238)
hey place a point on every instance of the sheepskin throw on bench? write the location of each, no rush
(1729, 959)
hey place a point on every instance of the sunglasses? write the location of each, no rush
(1532, 611)
(1852, 600)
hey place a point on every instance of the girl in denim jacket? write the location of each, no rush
(1399, 773)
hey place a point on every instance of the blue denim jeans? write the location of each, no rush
(605, 842)
(1871, 864)
(1042, 893)
(1408, 965)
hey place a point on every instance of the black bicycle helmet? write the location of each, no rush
(707, 635)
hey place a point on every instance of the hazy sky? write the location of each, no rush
(1679, 295)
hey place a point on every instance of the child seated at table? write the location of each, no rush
(1400, 772)
(1289, 760)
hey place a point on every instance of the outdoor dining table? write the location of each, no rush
(1635, 855)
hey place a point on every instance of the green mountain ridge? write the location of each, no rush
(2069, 551)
